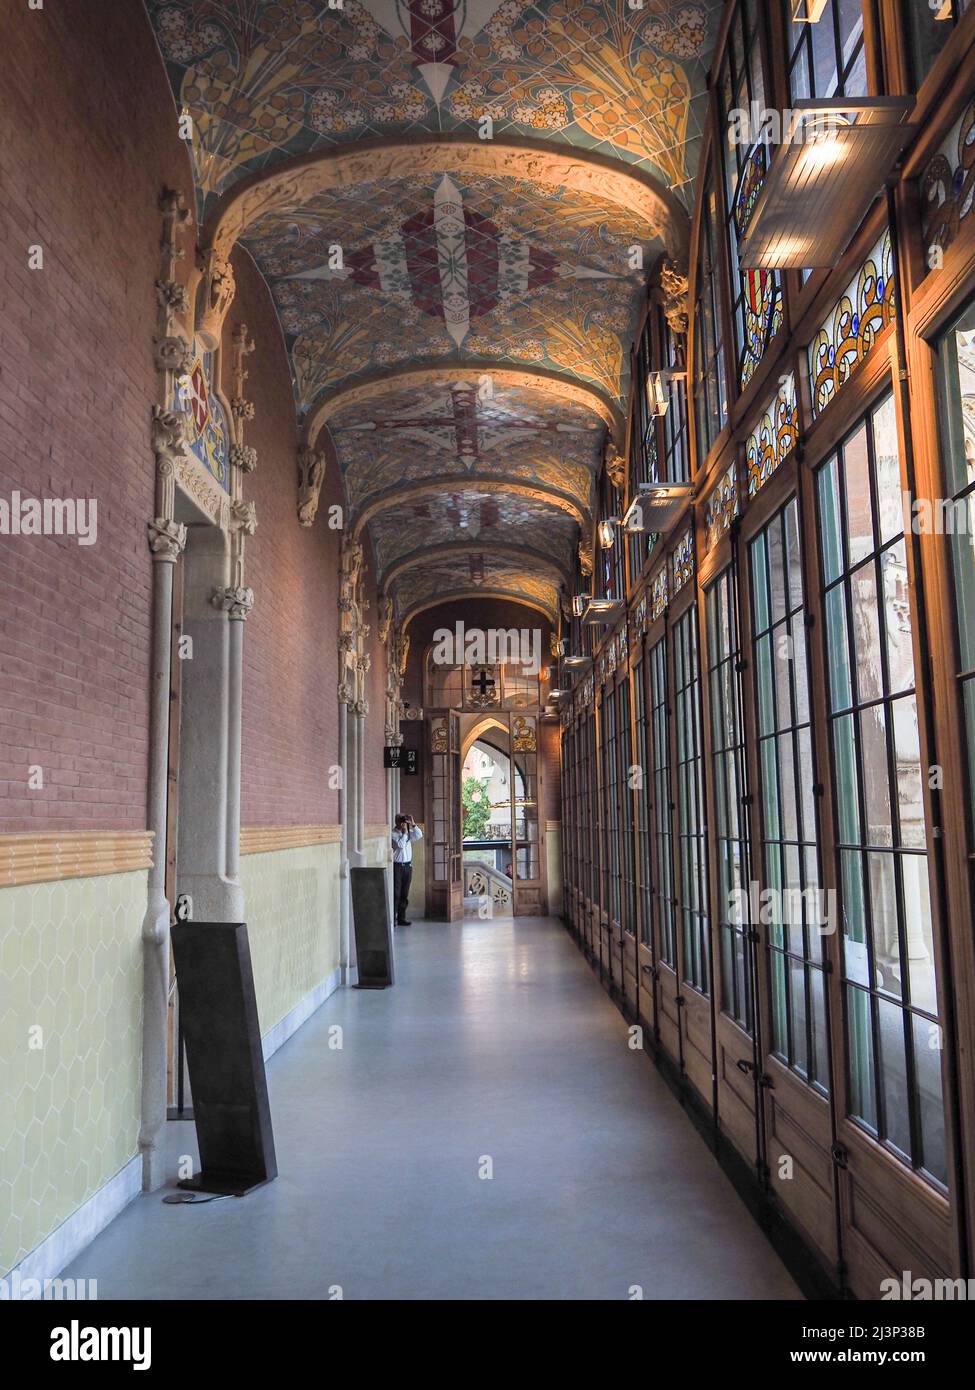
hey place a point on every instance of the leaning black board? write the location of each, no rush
(373, 934)
(218, 1015)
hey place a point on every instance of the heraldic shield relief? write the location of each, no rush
(206, 423)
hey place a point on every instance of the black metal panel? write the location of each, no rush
(373, 934)
(218, 1013)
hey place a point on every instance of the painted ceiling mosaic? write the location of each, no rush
(488, 269)
(267, 79)
(451, 275)
(516, 433)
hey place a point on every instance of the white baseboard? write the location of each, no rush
(278, 1035)
(67, 1242)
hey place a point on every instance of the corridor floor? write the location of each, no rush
(498, 1044)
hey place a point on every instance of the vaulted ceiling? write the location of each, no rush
(455, 204)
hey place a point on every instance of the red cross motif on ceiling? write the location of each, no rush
(468, 416)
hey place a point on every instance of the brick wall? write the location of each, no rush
(89, 140)
(289, 737)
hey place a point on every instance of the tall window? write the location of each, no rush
(643, 799)
(710, 384)
(610, 836)
(796, 911)
(893, 1033)
(677, 460)
(730, 825)
(929, 30)
(757, 294)
(628, 887)
(663, 875)
(691, 830)
(957, 353)
(827, 59)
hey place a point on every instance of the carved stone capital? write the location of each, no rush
(167, 539)
(243, 517)
(363, 664)
(393, 737)
(216, 297)
(244, 457)
(173, 354)
(311, 474)
(346, 693)
(237, 601)
(360, 708)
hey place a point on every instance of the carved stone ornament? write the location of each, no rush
(360, 708)
(167, 539)
(216, 297)
(412, 712)
(585, 557)
(363, 663)
(243, 517)
(385, 618)
(171, 295)
(615, 466)
(346, 693)
(236, 600)
(173, 355)
(553, 644)
(675, 286)
(244, 457)
(311, 474)
(243, 410)
(168, 433)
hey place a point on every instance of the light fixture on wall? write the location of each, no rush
(656, 507)
(807, 11)
(577, 663)
(822, 180)
(657, 399)
(602, 610)
(606, 531)
(579, 602)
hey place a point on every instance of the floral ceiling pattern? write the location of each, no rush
(453, 276)
(265, 79)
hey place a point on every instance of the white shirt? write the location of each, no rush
(403, 841)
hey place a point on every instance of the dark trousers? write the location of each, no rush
(402, 878)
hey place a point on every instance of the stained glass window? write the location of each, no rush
(710, 385)
(848, 334)
(722, 508)
(757, 294)
(658, 592)
(948, 186)
(683, 560)
(774, 436)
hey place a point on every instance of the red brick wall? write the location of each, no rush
(289, 736)
(375, 776)
(89, 140)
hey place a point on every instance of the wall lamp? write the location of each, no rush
(606, 531)
(579, 602)
(807, 11)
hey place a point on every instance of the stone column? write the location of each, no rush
(237, 603)
(166, 541)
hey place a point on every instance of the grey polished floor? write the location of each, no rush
(496, 1044)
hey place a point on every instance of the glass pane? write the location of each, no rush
(893, 1076)
(919, 934)
(859, 506)
(866, 632)
(927, 1066)
(859, 1042)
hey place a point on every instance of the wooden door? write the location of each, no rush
(527, 856)
(445, 881)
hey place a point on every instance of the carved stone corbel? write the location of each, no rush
(311, 475)
(675, 285)
(615, 466)
(585, 556)
(385, 618)
(237, 601)
(216, 296)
